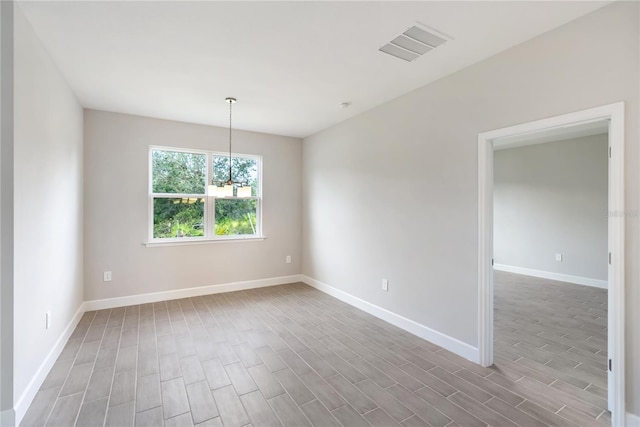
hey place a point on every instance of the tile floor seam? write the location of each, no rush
(67, 377)
(135, 382)
(82, 402)
(115, 361)
(55, 402)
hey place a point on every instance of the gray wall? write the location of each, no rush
(552, 198)
(116, 213)
(47, 204)
(6, 213)
(393, 192)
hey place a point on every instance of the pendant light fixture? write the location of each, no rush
(225, 188)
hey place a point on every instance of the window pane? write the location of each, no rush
(242, 170)
(177, 172)
(236, 216)
(177, 217)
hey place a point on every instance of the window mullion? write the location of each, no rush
(210, 206)
(212, 217)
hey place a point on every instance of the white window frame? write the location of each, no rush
(209, 205)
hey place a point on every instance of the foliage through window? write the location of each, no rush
(179, 205)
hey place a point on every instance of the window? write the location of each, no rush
(181, 210)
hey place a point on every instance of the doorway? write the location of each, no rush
(611, 116)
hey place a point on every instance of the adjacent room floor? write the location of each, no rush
(553, 334)
(294, 356)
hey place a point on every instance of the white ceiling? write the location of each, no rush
(289, 63)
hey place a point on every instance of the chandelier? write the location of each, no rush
(225, 188)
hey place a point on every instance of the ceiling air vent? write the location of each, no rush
(412, 44)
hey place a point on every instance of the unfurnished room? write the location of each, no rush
(319, 213)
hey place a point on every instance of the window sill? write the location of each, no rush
(182, 242)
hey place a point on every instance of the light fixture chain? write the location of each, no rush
(230, 115)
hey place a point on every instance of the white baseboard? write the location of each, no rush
(38, 378)
(102, 304)
(632, 420)
(456, 346)
(578, 280)
(7, 418)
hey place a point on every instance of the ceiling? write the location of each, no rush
(290, 64)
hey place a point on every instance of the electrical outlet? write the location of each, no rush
(385, 285)
(288, 259)
(559, 257)
(106, 276)
(47, 320)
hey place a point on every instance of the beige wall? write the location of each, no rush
(116, 209)
(552, 198)
(397, 186)
(47, 205)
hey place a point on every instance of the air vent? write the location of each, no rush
(412, 44)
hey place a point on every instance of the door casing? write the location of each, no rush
(487, 141)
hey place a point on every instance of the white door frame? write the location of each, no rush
(616, 213)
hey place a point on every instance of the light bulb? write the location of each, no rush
(244, 191)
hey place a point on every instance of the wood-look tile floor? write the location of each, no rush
(290, 355)
(551, 347)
